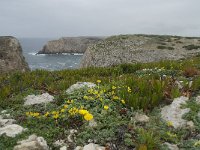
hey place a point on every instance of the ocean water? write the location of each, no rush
(31, 46)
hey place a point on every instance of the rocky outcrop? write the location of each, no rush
(32, 143)
(69, 45)
(11, 58)
(139, 48)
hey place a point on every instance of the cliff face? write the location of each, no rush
(139, 48)
(69, 45)
(11, 58)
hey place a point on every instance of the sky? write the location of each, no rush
(62, 18)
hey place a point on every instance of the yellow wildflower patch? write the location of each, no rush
(88, 116)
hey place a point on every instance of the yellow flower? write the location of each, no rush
(83, 111)
(114, 87)
(27, 113)
(169, 124)
(129, 89)
(106, 107)
(73, 111)
(88, 116)
(95, 92)
(56, 116)
(46, 114)
(115, 97)
(36, 114)
(62, 110)
(98, 81)
(123, 101)
(65, 106)
(54, 112)
(85, 97)
(70, 101)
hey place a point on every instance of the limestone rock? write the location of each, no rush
(121, 49)
(5, 122)
(11, 130)
(33, 99)
(69, 45)
(79, 85)
(141, 118)
(174, 113)
(171, 146)
(198, 99)
(32, 143)
(93, 146)
(11, 58)
(63, 148)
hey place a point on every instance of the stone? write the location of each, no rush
(63, 148)
(69, 45)
(123, 49)
(173, 113)
(11, 58)
(79, 85)
(190, 124)
(11, 130)
(78, 148)
(141, 118)
(93, 146)
(92, 123)
(4, 122)
(70, 137)
(38, 99)
(198, 100)
(32, 143)
(171, 146)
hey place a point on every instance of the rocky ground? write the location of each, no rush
(139, 48)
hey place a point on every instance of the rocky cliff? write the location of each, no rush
(69, 45)
(139, 48)
(11, 58)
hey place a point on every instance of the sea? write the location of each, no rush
(51, 62)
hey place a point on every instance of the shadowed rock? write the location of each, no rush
(69, 45)
(11, 58)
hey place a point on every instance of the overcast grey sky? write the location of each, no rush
(58, 18)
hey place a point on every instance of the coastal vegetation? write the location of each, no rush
(121, 93)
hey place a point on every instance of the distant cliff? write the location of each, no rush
(139, 48)
(11, 58)
(69, 45)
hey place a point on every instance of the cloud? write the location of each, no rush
(57, 18)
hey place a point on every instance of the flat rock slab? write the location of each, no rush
(33, 99)
(90, 146)
(78, 86)
(5, 122)
(11, 130)
(32, 143)
(173, 112)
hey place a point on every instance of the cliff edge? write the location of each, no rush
(120, 49)
(11, 58)
(69, 45)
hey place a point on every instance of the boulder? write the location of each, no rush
(78, 86)
(171, 146)
(38, 99)
(173, 113)
(141, 118)
(69, 45)
(11, 58)
(11, 130)
(122, 49)
(32, 143)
